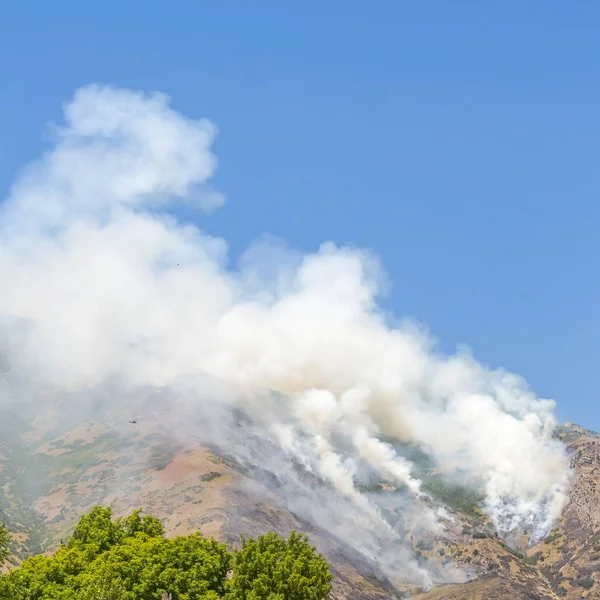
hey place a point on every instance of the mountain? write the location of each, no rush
(566, 564)
(56, 464)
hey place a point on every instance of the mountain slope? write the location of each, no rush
(566, 564)
(55, 469)
(129, 466)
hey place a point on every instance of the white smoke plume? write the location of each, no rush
(114, 287)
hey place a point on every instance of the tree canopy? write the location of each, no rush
(272, 568)
(131, 559)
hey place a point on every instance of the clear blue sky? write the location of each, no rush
(459, 140)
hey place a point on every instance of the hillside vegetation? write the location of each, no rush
(131, 559)
(53, 470)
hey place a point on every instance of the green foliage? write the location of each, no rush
(96, 531)
(272, 568)
(13, 589)
(133, 524)
(103, 584)
(131, 559)
(532, 560)
(514, 551)
(586, 583)
(453, 495)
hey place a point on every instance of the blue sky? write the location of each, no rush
(457, 140)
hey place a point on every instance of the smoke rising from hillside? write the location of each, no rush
(116, 288)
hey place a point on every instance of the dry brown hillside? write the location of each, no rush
(128, 466)
(566, 564)
(51, 475)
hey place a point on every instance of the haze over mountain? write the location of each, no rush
(321, 411)
(54, 470)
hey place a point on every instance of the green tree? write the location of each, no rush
(102, 584)
(133, 524)
(273, 568)
(189, 567)
(96, 531)
(13, 589)
(131, 559)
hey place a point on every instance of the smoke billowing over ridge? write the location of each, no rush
(114, 287)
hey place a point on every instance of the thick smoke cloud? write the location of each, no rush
(113, 287)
